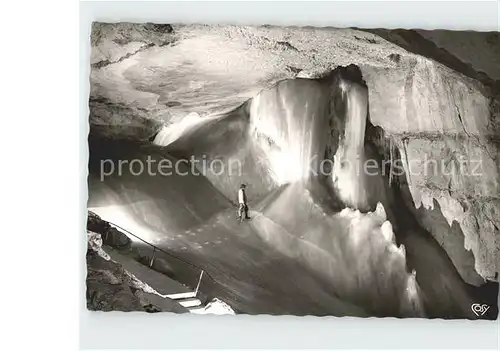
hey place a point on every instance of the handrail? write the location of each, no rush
(155, 247)
(203, 271)
(199, 282)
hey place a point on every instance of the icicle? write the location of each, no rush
(388, 232)
(402, 251)
(380, 211)
(391, 157)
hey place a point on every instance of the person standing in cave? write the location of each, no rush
(242, 203)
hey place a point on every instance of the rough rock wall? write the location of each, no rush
(112, 288)
(165, 72)
(466, 45)
(444, 125)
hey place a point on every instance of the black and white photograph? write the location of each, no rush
(293, 170)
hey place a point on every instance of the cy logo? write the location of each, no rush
(478, 309)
